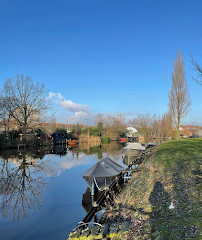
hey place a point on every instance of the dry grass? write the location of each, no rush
(170, 178)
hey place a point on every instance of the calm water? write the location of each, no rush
(41, 189)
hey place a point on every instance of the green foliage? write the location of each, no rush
(100, 128)
(84, 131)
(76, 131)
(60, 130)
(94, 150)
(95, 131)
(105, 140)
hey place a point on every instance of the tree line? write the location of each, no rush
(23, 104)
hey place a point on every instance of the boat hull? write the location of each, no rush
(123, 140)
(73, 142)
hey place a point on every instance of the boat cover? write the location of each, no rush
(134, 146)
(150, 144)
(102, 174)
(102, 169)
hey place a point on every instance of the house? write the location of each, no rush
(200, 133)
(190, 127)
(186, 133)
(189, 130)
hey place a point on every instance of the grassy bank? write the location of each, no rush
(162, 201)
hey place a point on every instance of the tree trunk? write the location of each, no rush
(178, 128)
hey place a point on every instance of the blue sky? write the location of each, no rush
(110, 56)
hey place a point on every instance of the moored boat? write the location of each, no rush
(123, 140)
(102, 174)
(72, 142)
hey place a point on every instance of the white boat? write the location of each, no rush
(134, 146)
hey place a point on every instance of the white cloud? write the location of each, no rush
(80, 114)
(68, 163)
(79, 110)
(72, 106)
(51, 95)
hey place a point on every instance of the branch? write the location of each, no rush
(199, 71)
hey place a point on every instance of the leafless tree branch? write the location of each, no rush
(198, 69)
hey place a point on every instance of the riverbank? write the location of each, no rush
(162, 201)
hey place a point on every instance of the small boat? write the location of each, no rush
(131, 152)
(134, 146)
(123, 140)
(102, 174)
(150, 144)
(72, 142)
(128, 160)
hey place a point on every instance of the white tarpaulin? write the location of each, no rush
(134, 146)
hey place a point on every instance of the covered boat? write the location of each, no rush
(129, 159)
(102, 174)
(150, 144)
(134, 146)
(131, 152)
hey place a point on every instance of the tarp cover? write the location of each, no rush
(150, 144)
(102, 169)
(127, 160)
(137, 146)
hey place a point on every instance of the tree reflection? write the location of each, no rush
(22, 182)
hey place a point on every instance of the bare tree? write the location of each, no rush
(167, 125)
(198, 69)
(4, 116)
(113, 125)
(25, 101)
(21, 185)
(179, 99)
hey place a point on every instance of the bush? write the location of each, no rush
(106, 140)
(60, 130)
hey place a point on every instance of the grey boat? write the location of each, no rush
(102, 174)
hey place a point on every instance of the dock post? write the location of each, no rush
(93, 191)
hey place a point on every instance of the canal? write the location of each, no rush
(41, 189)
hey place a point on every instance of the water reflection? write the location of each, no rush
(88, 200)
(21, 183)
(24, 173)
(46, 184)
(72, 160)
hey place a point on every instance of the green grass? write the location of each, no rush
(171, 175)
